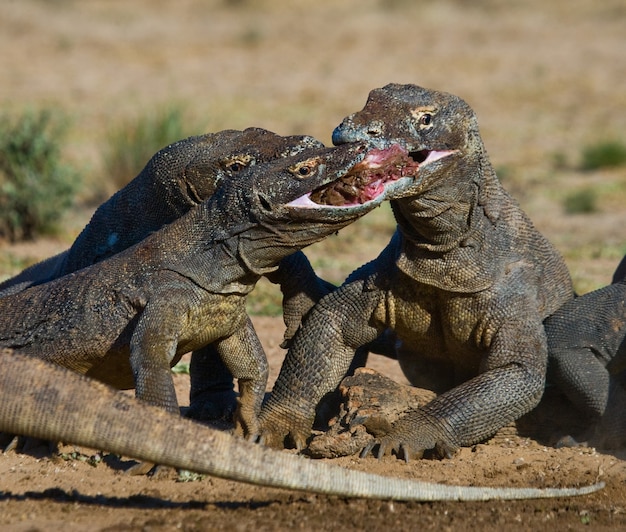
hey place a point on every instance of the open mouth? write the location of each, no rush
(368, 179)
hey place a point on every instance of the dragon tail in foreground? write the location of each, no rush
(45, 401)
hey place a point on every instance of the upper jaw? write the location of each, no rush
(374, 132)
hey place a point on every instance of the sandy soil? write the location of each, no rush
(545, 79)
(43, 492)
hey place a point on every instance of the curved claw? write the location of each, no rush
(368, 448)
(253, 438)
(140, 468)
(13, 444)
(382, 449)
(408, 452)
(405, 450)
(299, 442)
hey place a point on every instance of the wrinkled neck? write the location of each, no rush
(266, 244)
(452, 210)
(438, 219)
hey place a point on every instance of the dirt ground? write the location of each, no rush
(545, 79)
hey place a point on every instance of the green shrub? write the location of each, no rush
(559, 160)
(604, 155)
(581, 202)
(131, 144)
(36, 188)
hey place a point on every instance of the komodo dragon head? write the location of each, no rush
(424, 121)
(189, 171)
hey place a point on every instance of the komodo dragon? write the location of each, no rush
(587, 359)
(176, 179)
(464, 284)
(127, 319)
(50, 402)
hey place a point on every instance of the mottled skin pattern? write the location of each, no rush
(587, 359)
(127, 319)
(45, 401)
(464, 284)
(176, 179)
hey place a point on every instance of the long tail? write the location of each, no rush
(45, 401)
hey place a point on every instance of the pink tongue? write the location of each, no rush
(382, 156)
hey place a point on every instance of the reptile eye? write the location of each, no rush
(238, 163)
(304, 169)
(426, 119)
(235, 167)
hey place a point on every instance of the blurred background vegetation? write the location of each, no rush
(35, 184)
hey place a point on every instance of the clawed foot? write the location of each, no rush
(283, 430)
(411, 436)
(408, 449)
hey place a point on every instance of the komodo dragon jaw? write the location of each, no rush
(387, 173)
(415, 120)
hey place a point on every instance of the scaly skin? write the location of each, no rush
(587, 358)
(176, 179)
(45, 401)
(464, 284)
(127, 319)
